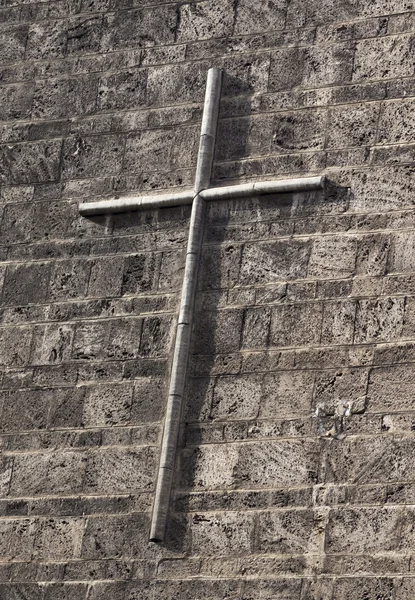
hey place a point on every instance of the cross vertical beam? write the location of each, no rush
(185, 320)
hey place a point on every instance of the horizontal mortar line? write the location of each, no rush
(82, 496)
(306, 438)
(315, 508)
(81, 449)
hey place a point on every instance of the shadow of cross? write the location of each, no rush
(197, 197)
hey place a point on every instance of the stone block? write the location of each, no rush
(52, 344)
(311, 67)
(65, 591)
(221, 533)
(372, 255)
(379, 320)
(148, 401)
(361, 588)
(236, 398)
(171, 271)
(363, 530)
(243, 137)
(391, 389)
(107, 405)
(26, 284)
(272, 262)
(156, 337)
(115, 536)
(397, 122)
(338, 391)
(288, 532)
(219, 267)
(59, 539)
(370, 460)
(259, 17)
(152, 26)
(47, 40)
(90, 156)
(15, 346)
(31, 162)
(121, 471)
(338, 323)
(203, 21)
(13, 41)
(84, 35)
(256, 324)
(106, 277)
(56, 473)
(122, 90)
(141, 273)
(352, 125)
(402, 253)
(286, 394)
(15, 102)
(299, 131)
(150, 147)
(333, 257)
(381, 189)
(69, 280)
(218, 333)
(376, 57)
(296, 325)
(173, 84)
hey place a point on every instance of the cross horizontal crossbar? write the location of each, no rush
(127, 204)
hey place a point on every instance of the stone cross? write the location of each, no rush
(197, 197)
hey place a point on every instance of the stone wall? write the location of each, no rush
(295, 472)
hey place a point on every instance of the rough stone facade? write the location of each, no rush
(295, 478)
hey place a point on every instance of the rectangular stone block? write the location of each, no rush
(236, 398)
(203, 21)
(218, 333)
(115, 536)
(121, 471)
(107, 405)
(141, 273)
(16, 101)
(58, 473)
(397, 122)
(286, 394)
(379, 320)
(363, 530)
(353, 125)
(336, 392)
(152, 26)
(288, 532)
(259, 17)
(332, 257)
(47, 40)
(338, 323)
(13, 43)
(31, 162)
(106, 277)
(296, 325)
(256, 324)
(69, 279)
(375, 57)
(402, 253)
(59, 539)
(272, 262)
(221, 533)
(372, 255)
(391, 389)
(239, 138)
(122, 90)
(90, 156)
(300, 130)
(370, 460)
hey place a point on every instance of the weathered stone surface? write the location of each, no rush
(295, 463)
